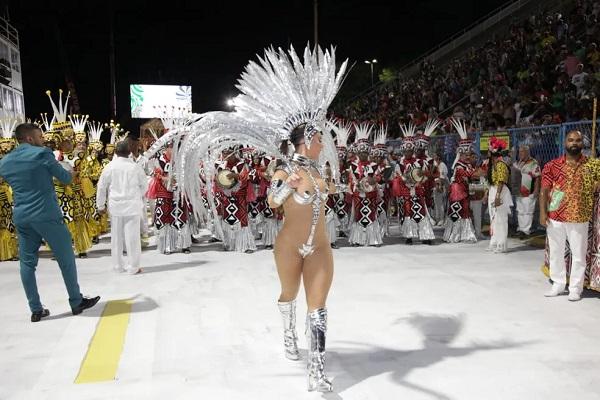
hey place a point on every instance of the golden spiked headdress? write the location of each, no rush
(96, 129)
(116, 133)
(48, 133)
(60, 116)
(7, 141)
(79, 123)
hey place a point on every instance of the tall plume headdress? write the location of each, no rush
(282, 92)
(408, 136)
(465, 145)
(362, 141)
(342, 134)
(423, 139)
(95, 133)
(379, 142)
(7, 125)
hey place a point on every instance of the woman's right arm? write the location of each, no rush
(279, 189)
(282, 187)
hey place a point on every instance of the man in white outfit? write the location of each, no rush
(566, 203)
(528, 191)
(124, 183)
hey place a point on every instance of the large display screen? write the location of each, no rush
(146, 98)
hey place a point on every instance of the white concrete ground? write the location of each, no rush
(442, 322)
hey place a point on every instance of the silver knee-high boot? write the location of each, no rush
(315, 333)
(290, 338)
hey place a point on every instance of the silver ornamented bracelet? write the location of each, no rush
(280, 191)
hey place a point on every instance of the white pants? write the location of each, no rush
(125, 231)
(440, 207)
(476, 206)
(525, 210)
(558, 233)
(499, 218)
(144, 220)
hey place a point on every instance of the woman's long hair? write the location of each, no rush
(491, 158)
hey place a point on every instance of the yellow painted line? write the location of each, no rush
(102, 359)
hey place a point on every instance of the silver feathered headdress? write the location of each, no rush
(281, 92)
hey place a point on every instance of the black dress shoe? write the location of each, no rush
(428, 242)
(409, 241)
(87, 302)
(269, 247)
(213, 240)
(249, 251)
(186, 250)
(38, 315)
(82, 255)
(334, 246)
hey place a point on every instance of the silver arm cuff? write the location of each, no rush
(280, 191)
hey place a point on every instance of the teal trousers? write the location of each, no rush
(56, 234)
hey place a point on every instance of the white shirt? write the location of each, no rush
(124, 183)
(143, 162)
(578, 80)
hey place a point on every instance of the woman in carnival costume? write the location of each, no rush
(283, 100)
(91, 169)
(499, 197)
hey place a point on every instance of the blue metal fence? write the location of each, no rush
(546, 142)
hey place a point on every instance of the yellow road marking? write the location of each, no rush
(102, 359)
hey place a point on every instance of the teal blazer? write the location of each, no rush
(29, 171)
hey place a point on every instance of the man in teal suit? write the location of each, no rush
(29, 170)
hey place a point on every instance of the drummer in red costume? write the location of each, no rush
(428, 164)
(232, 185)
(416, 222)
(459, 224)
(384, 172)
(365, 229)
(343, 198)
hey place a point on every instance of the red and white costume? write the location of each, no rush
(233, 208)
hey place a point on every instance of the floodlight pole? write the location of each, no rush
(316, 21)
(113, 78)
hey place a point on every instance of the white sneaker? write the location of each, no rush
(574, 296)
(134, 271)
(556, 290)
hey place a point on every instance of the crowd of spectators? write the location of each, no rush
(545, 70)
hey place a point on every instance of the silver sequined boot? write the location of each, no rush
(290, 338)
(315, 333)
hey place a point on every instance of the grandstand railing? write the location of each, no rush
(465, 35)
(545, 142)
(460, 39)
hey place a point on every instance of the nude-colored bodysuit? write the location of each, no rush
(296, 228)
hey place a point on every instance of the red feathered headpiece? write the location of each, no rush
(496, 144)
